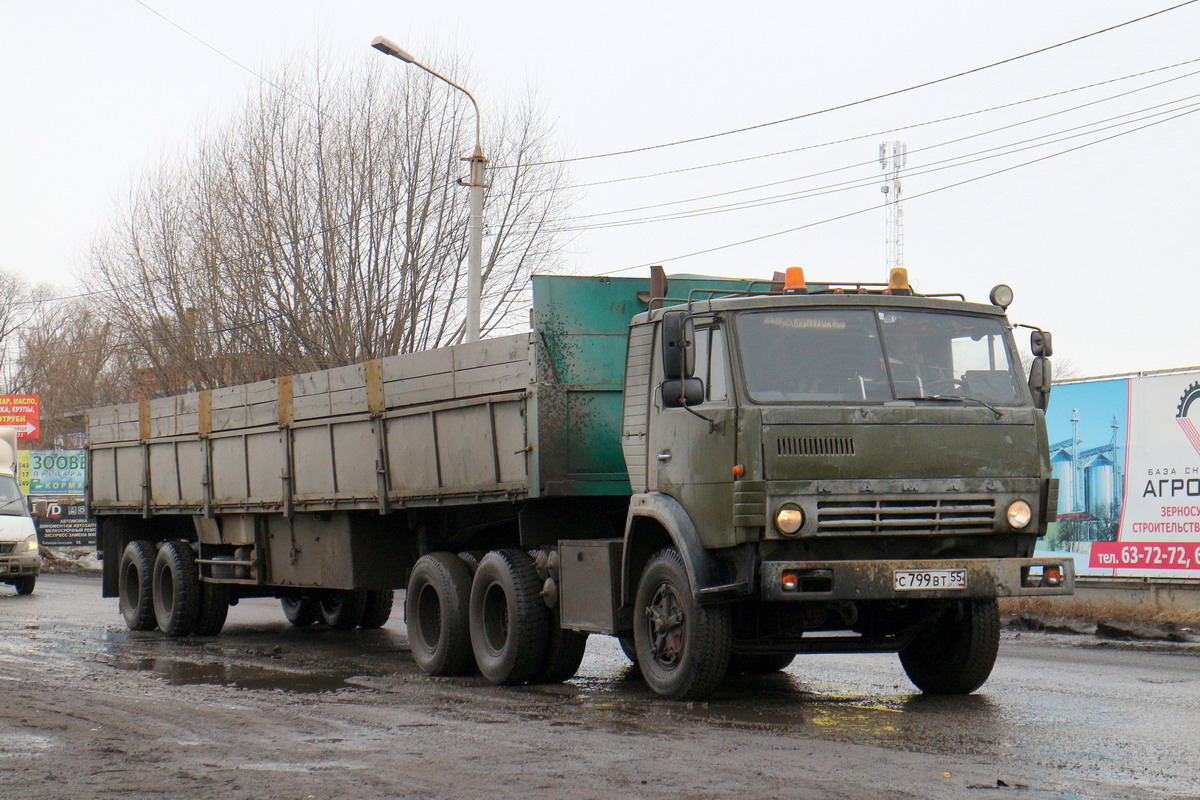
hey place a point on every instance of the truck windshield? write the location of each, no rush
(874, 355)
(11, 502)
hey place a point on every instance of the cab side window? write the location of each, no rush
(709, 343)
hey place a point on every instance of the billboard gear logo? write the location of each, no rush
(1190, 395)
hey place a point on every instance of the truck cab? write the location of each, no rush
(854, 468)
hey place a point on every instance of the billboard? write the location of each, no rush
(67, 524)
(1126, 452)
(23, 412)
(57, 472)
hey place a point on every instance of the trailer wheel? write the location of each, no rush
(436, 611)
(135, 586)
(24, 584)
(214, 609)
(564, 652)
(683, 648)
(176, 589)
(956, 654)
(343, 610)
(300, 611)
(508, 617)
(377, 609)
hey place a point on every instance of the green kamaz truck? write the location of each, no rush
(721, 473)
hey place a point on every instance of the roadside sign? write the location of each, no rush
(67, 524)
(23, 412)
(57, 471)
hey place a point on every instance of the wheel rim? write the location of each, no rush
(332, 606)
(495, 618)
(666, 626)
(429, 616)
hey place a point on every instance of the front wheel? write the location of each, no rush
(956, 654)
(25, 584)
(682, 648)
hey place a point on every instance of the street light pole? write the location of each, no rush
(476, 185)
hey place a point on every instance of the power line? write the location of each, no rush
(879, 206)
(853, 103)
(873, 161)
(953, 162)
(859, 137)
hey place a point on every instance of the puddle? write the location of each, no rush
(190, 673)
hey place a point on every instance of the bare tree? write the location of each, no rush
(324, 226)
(67, 355)
(20, 302)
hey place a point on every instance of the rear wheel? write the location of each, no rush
(377, 609)
(343, 610)
(300, 611)
(682, 648)
(176, 589)
(436, 610)
(25, 584)
(508, 617)
(564, 652)
(214, 609)
(957, 653)
(135, 586)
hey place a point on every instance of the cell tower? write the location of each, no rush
(892, 158)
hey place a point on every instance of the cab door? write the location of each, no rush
(692, 450)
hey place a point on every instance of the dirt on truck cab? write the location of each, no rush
(722, 473)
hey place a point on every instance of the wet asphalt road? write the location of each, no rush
(266, 710)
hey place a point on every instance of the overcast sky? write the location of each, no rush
(1099, 244)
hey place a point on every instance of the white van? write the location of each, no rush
(20, 561)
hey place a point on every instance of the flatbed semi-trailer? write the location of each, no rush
(722, 473)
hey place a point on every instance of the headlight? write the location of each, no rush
(30, 544)
(789, 519)
(1019, 514)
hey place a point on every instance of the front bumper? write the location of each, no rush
(20, 565)
(874, 580)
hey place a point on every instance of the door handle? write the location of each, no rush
(664, 456)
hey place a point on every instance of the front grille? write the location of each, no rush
(7, 547)
(901, 516)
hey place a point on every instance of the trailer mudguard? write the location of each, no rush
(715, 575)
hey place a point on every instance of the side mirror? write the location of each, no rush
(1041, 343)
(1040, 378)
(678, 355)
(680, 392)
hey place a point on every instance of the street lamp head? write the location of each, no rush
(386, 45)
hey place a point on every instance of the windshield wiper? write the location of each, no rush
(956, 398)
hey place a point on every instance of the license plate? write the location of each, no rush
(907, 580)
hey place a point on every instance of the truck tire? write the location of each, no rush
(377, 609)
(564, 652)
(472, 558)
(682, 648)
(508, 618)
(956, 654)
(436, 611)
(300, 611)
(25, 584)
(135, 586)
(343, 610)
(214, 609)
(176, 589)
